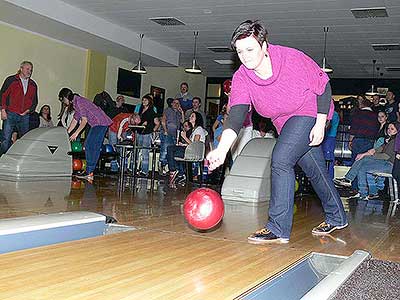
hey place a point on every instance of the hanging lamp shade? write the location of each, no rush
(139, 67)
(194, 69)
(372, 91)
(325, 67)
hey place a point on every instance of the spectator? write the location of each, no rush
(196, 102)
(118, 130)
(377, 107)
(105, 102)
(364, 128)
(382, 133)
(147, 116)
(392, 107)
(184, 97)
(374, 160)
(198, 134)
(171, 122)
(119, 107)
(45, 117)
(19, 98)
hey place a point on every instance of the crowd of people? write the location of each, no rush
(374, 124)
(181, 123)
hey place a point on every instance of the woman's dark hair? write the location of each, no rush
(383, 112)
(199, 120)
(190, 124)
(66, 93)
(250, 28)
(169, 101)
(149, 98)
(41, 112)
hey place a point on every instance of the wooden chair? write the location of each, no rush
(194, 153)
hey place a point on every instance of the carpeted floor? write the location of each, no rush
(374, 279)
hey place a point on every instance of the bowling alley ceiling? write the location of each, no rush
(113, 27)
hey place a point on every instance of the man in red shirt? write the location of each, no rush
(18, 99)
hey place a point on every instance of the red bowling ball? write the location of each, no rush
(76, 164)
(203, 208)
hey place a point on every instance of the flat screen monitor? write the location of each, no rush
(128, 83)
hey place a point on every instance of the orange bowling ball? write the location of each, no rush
(203, 208)
(76, 164)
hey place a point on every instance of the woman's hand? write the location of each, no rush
(215, 159)
(317, 134)
(73, 137)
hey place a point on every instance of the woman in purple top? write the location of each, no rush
(86, 112)
(287, 86)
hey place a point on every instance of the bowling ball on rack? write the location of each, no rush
(76, 164)
(76, 146)
(203, 209)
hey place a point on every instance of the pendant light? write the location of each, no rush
(372, 92)
(194, 68)
(139, 68)
(325, 67)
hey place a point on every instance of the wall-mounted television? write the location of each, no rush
(128, 83)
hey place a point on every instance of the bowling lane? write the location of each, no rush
(162, 211)
(140, 265)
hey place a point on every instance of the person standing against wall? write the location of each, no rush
(19, 98)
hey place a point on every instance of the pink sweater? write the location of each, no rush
(291, 90)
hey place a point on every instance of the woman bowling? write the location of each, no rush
(287, 86)
(86, 112)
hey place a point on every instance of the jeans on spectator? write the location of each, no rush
(166, 140)
(113, 140)
(361, 167)
(93, 144)
(172, 152)
(144, 140)
(291, 148)
(359, 145)
(13, 122)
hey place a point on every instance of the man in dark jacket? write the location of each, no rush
(19, 98)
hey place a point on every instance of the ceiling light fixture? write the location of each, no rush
(325, 67)
(372, 92)
(194, 68)
(139, 68)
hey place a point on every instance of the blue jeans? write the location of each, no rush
(13, 122)
(361, 167)
(360, 145)
(172, 152)
(93, 144)
(113, 140)
(144, 140)
(291, 148)
(166, 140)
(328, 148)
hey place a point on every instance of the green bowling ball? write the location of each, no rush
(76, 146)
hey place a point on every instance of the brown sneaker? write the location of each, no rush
(325, 228)
(264, 236)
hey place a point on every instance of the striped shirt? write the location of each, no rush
(364, 124)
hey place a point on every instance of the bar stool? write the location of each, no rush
(124, 150)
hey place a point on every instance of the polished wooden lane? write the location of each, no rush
(164, 258)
